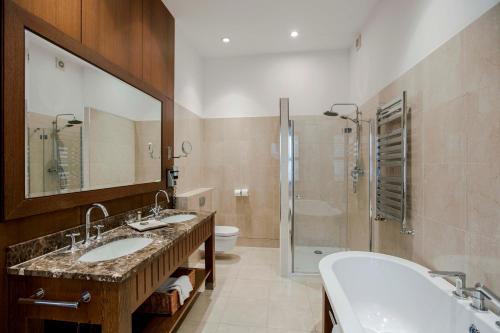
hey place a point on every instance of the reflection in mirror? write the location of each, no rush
(85, 129)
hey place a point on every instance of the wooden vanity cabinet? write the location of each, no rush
(112, 304)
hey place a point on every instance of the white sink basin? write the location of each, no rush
(178, 218)
(116, 249)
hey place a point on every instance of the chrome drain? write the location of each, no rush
(318, 252)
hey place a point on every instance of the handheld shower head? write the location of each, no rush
(349, 118)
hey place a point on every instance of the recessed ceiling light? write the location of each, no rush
(294, 34)
(225, 40)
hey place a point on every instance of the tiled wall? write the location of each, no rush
(454, 176)
(230, 153)
(244, 153)
(111, 149)
(188, 127)
(147, 163)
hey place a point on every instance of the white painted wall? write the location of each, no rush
(399, 34)
(251, 86)
(188, 83)
(105, 92)
(49, 90)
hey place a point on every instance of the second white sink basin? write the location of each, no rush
(116, 249)
(178, 218)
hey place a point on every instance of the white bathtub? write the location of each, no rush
(376, 293)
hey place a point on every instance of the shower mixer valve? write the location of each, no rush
(356, 172)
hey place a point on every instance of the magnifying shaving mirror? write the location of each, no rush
(187, 148)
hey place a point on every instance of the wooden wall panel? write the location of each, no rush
(158, 46)
(113, 28)
(65, 15)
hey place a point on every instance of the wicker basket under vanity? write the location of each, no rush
(167, 303)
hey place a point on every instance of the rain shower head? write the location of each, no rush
(330, 113)
(71, 122)
(74, 121)
(333, 113)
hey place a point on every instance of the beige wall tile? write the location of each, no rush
(482, 259)
(454, 179)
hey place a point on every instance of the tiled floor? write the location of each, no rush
(251, 297)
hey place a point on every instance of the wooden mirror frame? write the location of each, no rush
(15, 204)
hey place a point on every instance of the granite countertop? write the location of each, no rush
(64, 264)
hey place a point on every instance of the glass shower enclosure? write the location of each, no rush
(316, 188)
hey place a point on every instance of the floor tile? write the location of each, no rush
(242, 311)
(288, 289)
(207, 308)
(251, 296)
(289, 315)
(225, 328)
(197, 327)
(255, 289)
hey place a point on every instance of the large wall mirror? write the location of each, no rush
(84, 128)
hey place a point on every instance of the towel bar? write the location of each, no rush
(39, 294)
(392, 162)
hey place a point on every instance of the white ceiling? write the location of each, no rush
(264, 26)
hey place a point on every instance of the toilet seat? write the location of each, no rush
(226, 231)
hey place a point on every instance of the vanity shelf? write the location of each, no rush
(145, 323)
(120, 289)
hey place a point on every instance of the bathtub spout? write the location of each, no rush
(459, 281)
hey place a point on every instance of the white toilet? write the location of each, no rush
(202, 199)
(225, 238)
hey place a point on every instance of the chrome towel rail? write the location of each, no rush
(39, 294)
(392, 162)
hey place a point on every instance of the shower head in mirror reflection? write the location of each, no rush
(70, 123)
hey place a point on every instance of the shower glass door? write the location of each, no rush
(320, 190)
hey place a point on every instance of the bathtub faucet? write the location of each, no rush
(459, 281)
(479, 294)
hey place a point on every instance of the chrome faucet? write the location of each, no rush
(157, 209)
(87, 220)
(479, 294)
(459, 281)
